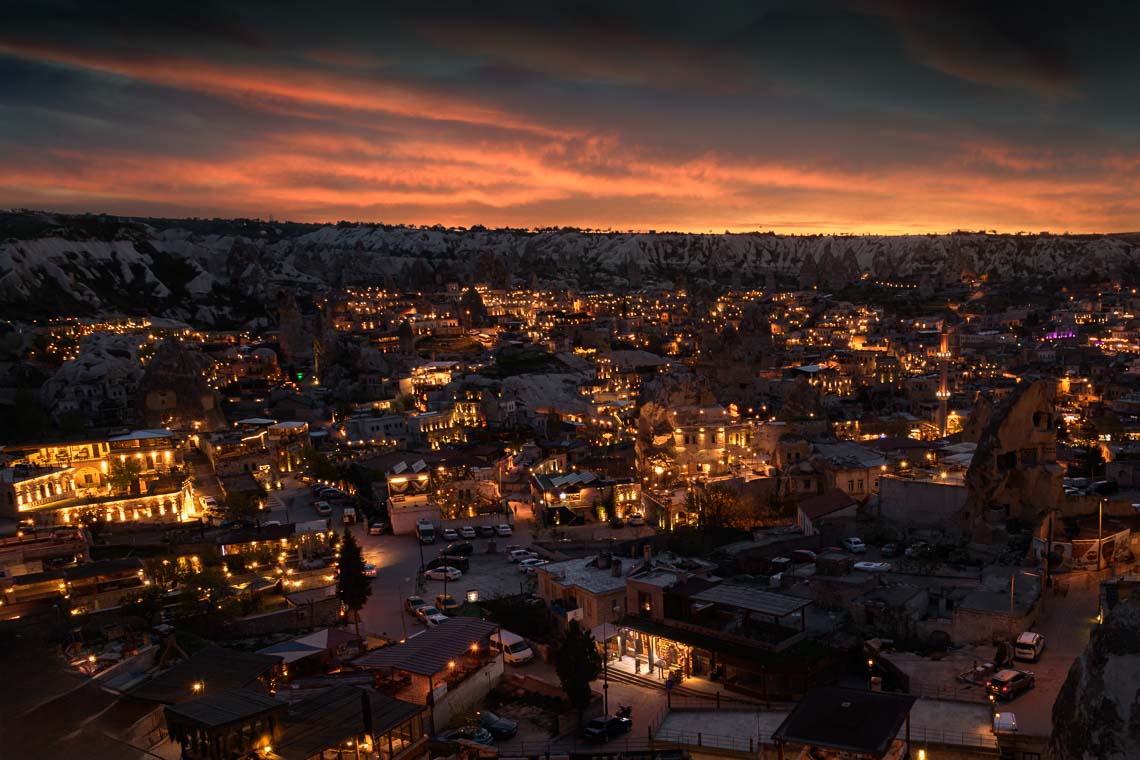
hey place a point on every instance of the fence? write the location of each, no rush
(628, 745)
(956, 692)
(951, 738)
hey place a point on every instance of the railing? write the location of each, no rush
(957, 692)
(950, 738)
(662, 741)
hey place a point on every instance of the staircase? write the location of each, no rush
(273, 502)
(680, 690)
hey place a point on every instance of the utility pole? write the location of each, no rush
(1099, 535)
(605, 671)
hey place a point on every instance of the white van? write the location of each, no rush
(514, 647)
(1029, 646)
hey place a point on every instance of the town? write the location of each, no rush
(834, 516)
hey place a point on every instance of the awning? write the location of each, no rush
(605, 631)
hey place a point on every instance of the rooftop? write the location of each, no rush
(584, 574)
(752, 599)
(430, 652)
(332, 716)
(846, 719)
(225, 707)
(218, 668)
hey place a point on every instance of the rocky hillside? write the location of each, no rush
(220, 271)
(1097, 714)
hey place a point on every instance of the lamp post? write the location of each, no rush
(605, 672)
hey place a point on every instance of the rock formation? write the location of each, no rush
(295, 344)
(1014, 473)
(980, 416)
(1097, 713)
(174, 390)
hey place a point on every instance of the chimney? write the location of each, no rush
(366, 710)
(647, 552)
(615, 568)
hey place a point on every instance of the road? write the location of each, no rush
(1066, 622)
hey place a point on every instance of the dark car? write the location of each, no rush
(459, 549)
(1007, 684)
(500, 728)
(459, 563)
(606, 727)
(617, 522)
(487, 531)
(470, 733)
(919, 550)
(803, 556)
(891, 550)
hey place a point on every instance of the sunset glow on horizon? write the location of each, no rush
(797, 118)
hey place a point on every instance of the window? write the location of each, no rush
(850, 485)
(807, 484)
(859, 485)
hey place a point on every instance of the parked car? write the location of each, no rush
(430, 615)
(413, 603)
(1007, 684)
(919, 549)
(891, 550)
(854, 544)
(500, 728)
(377, 528)
(370, 570)
(617, 522)
(467, 531)
(873, 567)
(450, 534)
(606, 727)
(461, 549)
(487, 531)
(503, 530)
(636, 519)
(802, 556)
(515, 649)
(528, 566)
(459, 563)
(1029, 646)
(446, 603)
(518, 555)
(476, 734)
(445, 573)
(324, 509)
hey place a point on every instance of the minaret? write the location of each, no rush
(943, 394)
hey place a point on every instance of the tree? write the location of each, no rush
(578, 663)
(716, 507)
(123, 474)
(243, 505)
(352, 586)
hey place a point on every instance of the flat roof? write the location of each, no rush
(584, 574)
(225, 707)
(326, 719)
(752, 599)
(849, 720)
(217, 667)
(429, 652)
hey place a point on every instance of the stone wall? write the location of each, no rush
(920, 503)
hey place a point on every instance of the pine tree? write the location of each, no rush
(353, 587)
(578, 663)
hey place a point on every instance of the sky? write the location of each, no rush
(867, 116)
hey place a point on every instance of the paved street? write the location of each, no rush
(1066, 622)
(399, 557)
